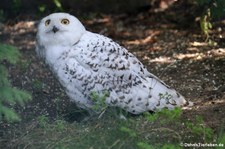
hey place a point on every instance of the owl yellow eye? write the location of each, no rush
(65, 21)
(47, 22)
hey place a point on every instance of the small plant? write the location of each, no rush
(60, 124)
(129, 131)
(43, 121)
(57, 125)
(221, 140)
(99, 101)
(205, 23)
(9, 96)
(170, 146)
(211, 10)
(165, 115)
(199, 129)
(143, 145)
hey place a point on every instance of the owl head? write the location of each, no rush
(59, 29)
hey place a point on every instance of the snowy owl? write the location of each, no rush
(86, 63)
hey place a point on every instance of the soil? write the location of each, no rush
(177, 55)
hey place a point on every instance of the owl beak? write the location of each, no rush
(55, 29)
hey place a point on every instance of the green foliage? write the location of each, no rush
(199, 128)
(9, 114)
(13, 95)
(9, 53)
(60, 124)
(143, 145)
(99, 100)
(61, 134)
(42, 8)
(129, 131)
(165, 115)
(9, 96)
(43, 121)
(205, 23)
(221, 140)
(170, 146)
(109, 132)
(3, 76)
(211, 9)
(58, 5)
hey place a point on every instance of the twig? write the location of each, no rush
(115, 143)
(102, 112)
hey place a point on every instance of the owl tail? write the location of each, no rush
(163, 96)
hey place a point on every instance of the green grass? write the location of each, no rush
(110, 132)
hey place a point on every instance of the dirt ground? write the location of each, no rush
(177, 55)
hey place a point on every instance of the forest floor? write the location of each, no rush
(177, 55)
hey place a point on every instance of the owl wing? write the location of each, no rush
(111, 67)
(105, 56)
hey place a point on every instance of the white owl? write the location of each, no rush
(85, 62)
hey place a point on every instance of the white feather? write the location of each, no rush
(86, 62)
